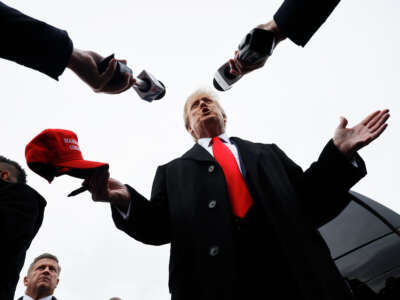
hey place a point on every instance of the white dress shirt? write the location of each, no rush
(26, 297)
(206, 144)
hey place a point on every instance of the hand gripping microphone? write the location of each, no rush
(254, 49)
(146, 85)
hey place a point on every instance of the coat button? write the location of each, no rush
(214, 250)
(211, 168)
(212, 204)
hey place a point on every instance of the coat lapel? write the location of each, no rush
(248, 156)
(197, 152)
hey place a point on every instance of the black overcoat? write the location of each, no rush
(21, 215)
(33, 43)
(202, 259)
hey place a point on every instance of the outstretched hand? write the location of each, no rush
(240, 68)
(84, 64)
(106, 189)
(350, 140)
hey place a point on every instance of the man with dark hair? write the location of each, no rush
(11, 171)
(49, 50)
(42, 278)
(242, 218)
(21, 215)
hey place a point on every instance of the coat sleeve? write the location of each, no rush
(324, 187)
(21, 215)
(148, 221)
(33, 43)
(300, 19)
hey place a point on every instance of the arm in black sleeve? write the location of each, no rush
(21, 215)
(148, 221)
(300, 19)
(323, 187)
(33, 43)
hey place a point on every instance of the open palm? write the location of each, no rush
(350, 140)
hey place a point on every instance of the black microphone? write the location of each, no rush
(146, 85)
(254, 49)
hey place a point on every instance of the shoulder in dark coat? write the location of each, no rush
(21, 215)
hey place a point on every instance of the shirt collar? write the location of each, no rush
(205, 142)
(26, 297)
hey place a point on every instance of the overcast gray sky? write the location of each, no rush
(351, 67)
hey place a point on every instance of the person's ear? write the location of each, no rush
(5, 175)
(189, 129)
(26, 281)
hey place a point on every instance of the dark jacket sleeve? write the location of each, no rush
(324, 187)
(300, 19)
(21, 215)
(148, 221)
(33, 43)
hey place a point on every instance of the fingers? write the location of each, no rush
(107, 75)
(378, 132)
(377, 118)
(126, 84)
(233, 68)
(343, 123)
(379, 121)
(369, 118)
(98, 185)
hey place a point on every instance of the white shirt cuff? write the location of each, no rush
(353, 162)
(125, 215)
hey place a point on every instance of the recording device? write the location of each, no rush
(254, 49)
(146, 85)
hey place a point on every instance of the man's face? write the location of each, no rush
(43, 276)
(205, 117)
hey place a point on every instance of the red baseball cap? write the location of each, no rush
(55, 152)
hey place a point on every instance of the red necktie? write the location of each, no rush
(238, 193)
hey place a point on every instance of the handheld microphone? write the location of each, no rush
(254, 49)
(146, 85)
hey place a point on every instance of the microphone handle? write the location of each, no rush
(119, 73)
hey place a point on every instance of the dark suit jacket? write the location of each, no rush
(33, 43)
(203, 254)
(300, 19)
(21, 215)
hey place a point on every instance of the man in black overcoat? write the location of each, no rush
(274, 249)
(21, 215)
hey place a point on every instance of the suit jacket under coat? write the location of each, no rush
(295, 202)
(21, 215)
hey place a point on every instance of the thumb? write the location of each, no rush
(343, 122)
